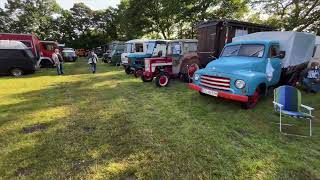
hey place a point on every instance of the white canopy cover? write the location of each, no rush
(298, 46)
(9, 44)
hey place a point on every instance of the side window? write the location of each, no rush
(139, 47)
(274, 51)
(10, 54)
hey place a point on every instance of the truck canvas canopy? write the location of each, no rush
(298, 46)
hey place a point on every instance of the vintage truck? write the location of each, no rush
(154, 48)
(137, 46)
(180, 60)
(115, 56)
(253, 63)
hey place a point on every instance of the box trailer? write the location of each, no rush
(213, 35)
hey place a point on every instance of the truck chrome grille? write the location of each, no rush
(215, 82)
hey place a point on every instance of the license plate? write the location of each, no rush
(209, 92)
(132, 68)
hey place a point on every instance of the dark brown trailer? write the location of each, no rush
(214, 34)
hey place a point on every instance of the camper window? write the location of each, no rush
(139, 47)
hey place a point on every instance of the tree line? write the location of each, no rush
(82, 27)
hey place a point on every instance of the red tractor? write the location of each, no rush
(180, 60)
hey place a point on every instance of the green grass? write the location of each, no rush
(113, 126)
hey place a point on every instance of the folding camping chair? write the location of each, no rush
(287, 101)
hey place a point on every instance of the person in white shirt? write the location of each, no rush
(93, 60)
(58, 60)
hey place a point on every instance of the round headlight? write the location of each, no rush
(196, 77)
(240, 84)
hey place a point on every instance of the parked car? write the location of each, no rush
(180, 60)
(16, 59)
(249, 66)
(136, 60)
(30, 40)
(115, 57)
(214, 34)
(69, 54)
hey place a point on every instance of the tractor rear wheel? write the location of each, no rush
(162, 80)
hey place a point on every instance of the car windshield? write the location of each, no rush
(68, 53)
(151, 46)
(249, 50)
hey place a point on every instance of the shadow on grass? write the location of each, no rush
(131, 129)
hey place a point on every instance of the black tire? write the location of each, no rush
(46, 64)
(16, 72)
(138, 73)
(145, 79)
(202, 94)
(253, 100)
(162, 80)
(127, 70)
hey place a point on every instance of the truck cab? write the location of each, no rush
(137, 46)
(247, 67)
(154, 48)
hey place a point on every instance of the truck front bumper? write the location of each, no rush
(222, 94)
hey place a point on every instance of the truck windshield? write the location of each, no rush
(151, 46)
(176, 48)
(129, 48)
(249, 50)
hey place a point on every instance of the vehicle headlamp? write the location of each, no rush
(196, 77)
(240, 84)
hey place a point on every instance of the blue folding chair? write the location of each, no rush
(287, 101)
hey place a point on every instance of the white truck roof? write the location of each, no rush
(317, 40)
(299, 46)
(9, 44)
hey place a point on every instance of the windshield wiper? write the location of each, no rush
(253, 54)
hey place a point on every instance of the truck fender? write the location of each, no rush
(258, 81)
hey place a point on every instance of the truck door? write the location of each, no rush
(275, 61)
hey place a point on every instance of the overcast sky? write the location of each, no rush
(93, 4)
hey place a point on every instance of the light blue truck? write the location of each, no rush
(251, 64)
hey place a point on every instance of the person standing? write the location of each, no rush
(58, 60)
(93, 60)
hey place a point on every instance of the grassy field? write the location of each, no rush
(113, 126)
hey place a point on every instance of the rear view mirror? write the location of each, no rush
(282, 54)
(160, 53)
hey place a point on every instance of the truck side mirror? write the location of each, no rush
(282, 54)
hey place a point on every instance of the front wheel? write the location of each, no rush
(127, 70)
(162, 80)
(253, 100)
(146, 79)
(138, 73)
(16, 72)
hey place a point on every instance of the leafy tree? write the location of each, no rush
(299, 15)
(30, 16)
